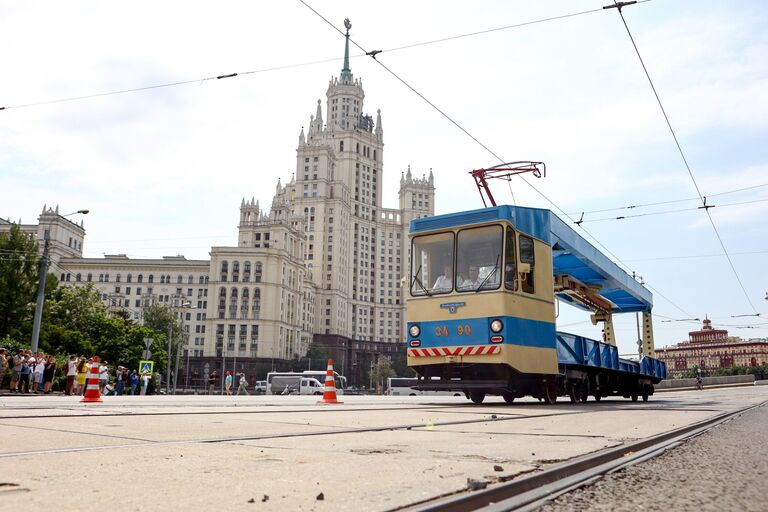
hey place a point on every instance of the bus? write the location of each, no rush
(403, 386)
(340, 381)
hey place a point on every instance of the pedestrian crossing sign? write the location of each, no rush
(146, 366)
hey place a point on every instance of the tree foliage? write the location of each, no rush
(381, 372)
(19, 273)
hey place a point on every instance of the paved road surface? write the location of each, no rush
(370, 453)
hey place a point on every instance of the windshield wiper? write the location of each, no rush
(495, 268)
(418, 281)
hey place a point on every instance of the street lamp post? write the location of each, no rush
(41, 287)
(184, 305)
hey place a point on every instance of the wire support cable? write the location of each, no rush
(682, 154)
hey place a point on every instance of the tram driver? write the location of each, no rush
(444, 282)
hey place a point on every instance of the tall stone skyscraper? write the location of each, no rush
(356, 250)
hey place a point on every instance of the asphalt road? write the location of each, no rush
(723, 469)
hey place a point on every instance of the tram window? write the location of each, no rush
(510, 262)
(478, 257)
(432, 264)
(527, 257)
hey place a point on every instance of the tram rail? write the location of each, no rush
(530, 492)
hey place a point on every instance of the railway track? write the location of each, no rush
(530, 492)
(484, 418)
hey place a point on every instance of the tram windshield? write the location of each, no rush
(478, 261)
(478, 252)
(432, 264)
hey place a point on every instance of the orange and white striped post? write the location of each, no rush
(92, 393)
(329, 394)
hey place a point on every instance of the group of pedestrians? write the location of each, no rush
(34, 373)
(30, 373)
(242, 386)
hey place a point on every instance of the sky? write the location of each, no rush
(163, 170)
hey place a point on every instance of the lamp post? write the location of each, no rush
(183, 306)
(41, 287)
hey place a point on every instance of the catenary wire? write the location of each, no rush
(544, 196)
(685, 160)
(666, 212)
(290, 66)
(672, 201)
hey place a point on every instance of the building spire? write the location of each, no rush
(346, 73)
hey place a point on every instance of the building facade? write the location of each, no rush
(712, 349)
(325, 262)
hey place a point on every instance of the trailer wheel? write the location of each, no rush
(573, 393)
(584, 391)
(645, 393)
(549, 390)
(508, 397)
(477, 396)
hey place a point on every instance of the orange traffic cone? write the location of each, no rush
(92, 393)
(329, 394)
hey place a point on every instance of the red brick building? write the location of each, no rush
(712, 349)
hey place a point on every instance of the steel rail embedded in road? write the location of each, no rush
(532, 491)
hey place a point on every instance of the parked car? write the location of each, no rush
(260, 387)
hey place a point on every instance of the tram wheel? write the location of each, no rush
(573, 393)
(508, 397)
(583, 391)
(549, 392)
(477, 396)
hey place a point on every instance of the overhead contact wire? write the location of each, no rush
(685, 160)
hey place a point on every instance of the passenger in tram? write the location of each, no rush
(444, 282)
(472, 282)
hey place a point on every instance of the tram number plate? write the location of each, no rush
(461, 330)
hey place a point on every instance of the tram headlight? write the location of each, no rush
(497, 325)
(415, 330)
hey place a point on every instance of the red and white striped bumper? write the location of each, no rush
(477, 350)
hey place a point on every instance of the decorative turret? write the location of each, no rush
(379, 130)
(301, 137)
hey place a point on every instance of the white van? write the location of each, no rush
(294, 385)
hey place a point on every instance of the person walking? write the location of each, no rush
(243, 385)
(103, 375)
(26, 373)
(48, 373)
(133, 379)
(82, 373)
(37, 374)
(3, 366)
(145, 383)
(228, 384)
(71, 375)
(119, 383)
(17, 364)
(212, 381)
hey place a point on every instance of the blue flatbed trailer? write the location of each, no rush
(574, 351)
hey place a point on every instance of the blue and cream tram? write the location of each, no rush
(481, 309)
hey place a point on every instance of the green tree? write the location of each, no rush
(381, 372)
(19, 273)
(158, 318)
(400, 365)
